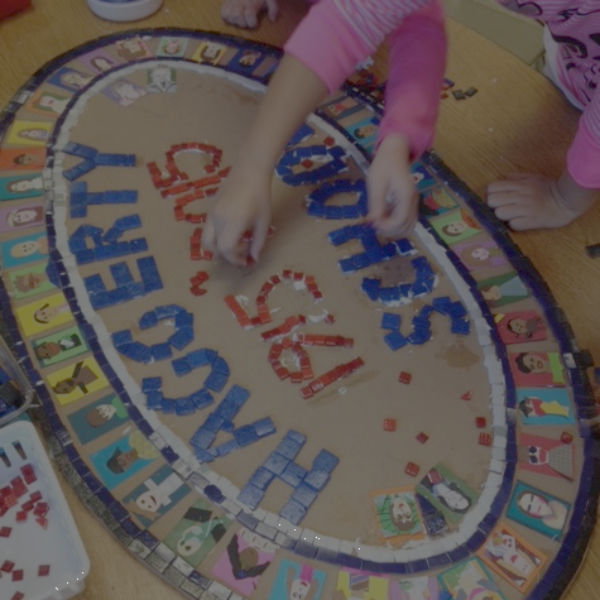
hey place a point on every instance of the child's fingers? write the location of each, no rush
(500, 199)
(518, 176)
(501, 187)
(508, 212)
(503, 195)
(233, 246)
(376, 193)
(231, 12)
(225, 240)
(250, 18)
(272, 9)
(517, 220)
(400, 220)
(259, 236)
(392, 212)
(523, 223)
(208, 235)
(514, 182)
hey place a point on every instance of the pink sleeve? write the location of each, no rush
(583, 157)
(336, 35)
(331, 46)
(416, 69)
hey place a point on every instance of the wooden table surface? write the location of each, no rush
(516, 122)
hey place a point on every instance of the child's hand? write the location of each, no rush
(237, 226)
(393, 199)
(536, 202)
(244, 13)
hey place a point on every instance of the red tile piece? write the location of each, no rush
(480, 422)
(7, 566)
(566, 437)
(17, 575)
(21, 516)
(10, 500)
(412, 469)
(41, 509)
(389, 424)
(404, 377)
(422, 437)
(197, 290)
(28, 473)
(485, 439)
(307, 392)
(19, 488)
(35, 496)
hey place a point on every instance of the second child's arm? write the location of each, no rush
(323, 50)
(244, 202)
(417, 60)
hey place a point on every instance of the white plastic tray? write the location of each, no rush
(29, 545)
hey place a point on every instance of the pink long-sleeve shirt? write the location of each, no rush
(575, 26)
(338, 34)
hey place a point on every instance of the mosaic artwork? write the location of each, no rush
(350, 418)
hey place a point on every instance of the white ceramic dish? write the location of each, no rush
(125, 10)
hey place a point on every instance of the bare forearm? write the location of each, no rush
(294, 91)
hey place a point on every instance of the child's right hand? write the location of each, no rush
(244, 13)
(236, 228)
(393, 198)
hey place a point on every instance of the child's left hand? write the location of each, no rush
(527, 201)
(245, 13)
(393, 198)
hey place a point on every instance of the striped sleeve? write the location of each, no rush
(336, 35)
(373, 20)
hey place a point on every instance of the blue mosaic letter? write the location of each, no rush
(126, 288)
(421, 323)
(280, 465)
(106, 245)
(80, 198)
(373, 253)
(91, 159)
(183, 322)
(317, 200)
(201, 398)
(222, 420)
